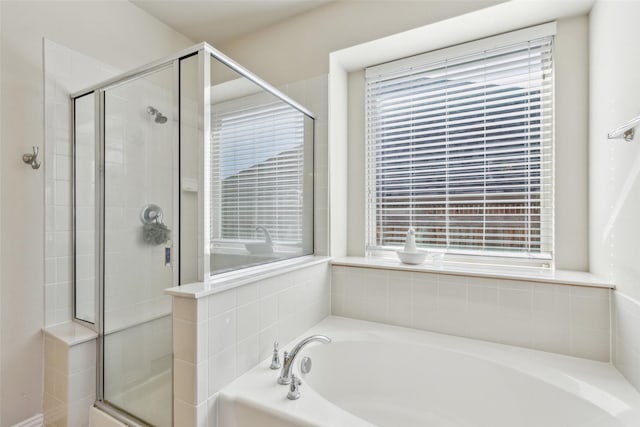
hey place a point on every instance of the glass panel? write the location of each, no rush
(85, 208)
(139, 148)
(190, 146)
(261, 175)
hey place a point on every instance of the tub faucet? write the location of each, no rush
(289, 358)
(260, 248)
(267, 236)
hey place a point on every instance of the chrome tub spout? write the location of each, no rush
(290, 357)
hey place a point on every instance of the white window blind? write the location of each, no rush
(460, 148)
(257, 171)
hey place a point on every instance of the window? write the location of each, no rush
(460, 147)
(259, 167)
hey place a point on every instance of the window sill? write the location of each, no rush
(541, 275)
(229, 281)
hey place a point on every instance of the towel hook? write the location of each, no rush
(626, 131)
(32, 159)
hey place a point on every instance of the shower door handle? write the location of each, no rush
(167, 256)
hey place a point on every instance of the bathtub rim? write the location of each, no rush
(601, 375)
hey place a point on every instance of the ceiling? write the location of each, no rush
(216, 21)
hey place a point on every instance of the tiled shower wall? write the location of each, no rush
(139, 170)
(131, 143)
(572, 320)
(66, 71)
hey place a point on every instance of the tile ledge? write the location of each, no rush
(213, 286)
(70, 333)
(564, 277)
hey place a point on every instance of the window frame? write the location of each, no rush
(468, 48)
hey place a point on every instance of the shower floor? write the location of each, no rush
(147, 400)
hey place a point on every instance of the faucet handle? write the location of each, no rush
(284, 378)
(275, 360)
(294, 388)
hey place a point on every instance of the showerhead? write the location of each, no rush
(159, 117)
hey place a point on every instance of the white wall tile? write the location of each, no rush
(222, 369)
(82, 384)
(400, 307)
(564, 319)
(79, 412)
(184, 383)
(202, 341)
(185, 309)
(626, 337)
(184, 340)
(246, 294)
(222, 331)
(266, 338)
(591, 344)
(516, 304)
(241, 328)
(590, 313)
(268, 311)
(247, 354)
(272, 286)
(69, 381)
(221, 302)
(248, 320)
(183, 413)
(82, 357)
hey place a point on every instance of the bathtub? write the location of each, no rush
(374, 374)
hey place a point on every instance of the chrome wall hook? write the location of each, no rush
(32, 159)
(626, 131)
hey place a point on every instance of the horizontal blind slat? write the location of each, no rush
(257, 167)
(462, 150)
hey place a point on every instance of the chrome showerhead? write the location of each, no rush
(159, 117)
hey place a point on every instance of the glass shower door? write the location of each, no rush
(140, 151)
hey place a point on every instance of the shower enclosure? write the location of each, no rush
(184, 170)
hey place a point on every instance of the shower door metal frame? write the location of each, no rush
(205, 54)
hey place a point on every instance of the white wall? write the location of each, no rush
(614, 165)
(116, 33)
(614, 171)
(299, 48)
(571, 227)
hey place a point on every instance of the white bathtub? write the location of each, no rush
(375, 374)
